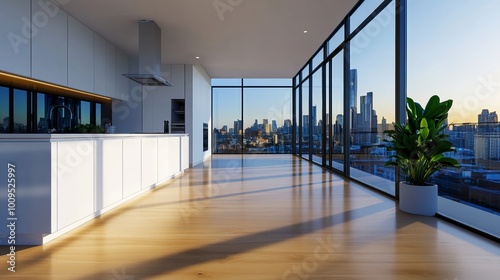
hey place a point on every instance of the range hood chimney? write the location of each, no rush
(149, 56)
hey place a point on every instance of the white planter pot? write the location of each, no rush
(420, 200)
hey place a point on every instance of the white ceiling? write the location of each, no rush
(239, 38)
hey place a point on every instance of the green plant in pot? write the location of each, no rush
(420, 145)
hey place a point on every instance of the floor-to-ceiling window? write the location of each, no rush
(252, 115)
(227, 121)
(316, 116)
(372, 98)
(337, 112)
(305, 144)
(453, 53)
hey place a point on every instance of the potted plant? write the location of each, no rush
(420, 145)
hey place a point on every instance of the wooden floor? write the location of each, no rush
(260, 217)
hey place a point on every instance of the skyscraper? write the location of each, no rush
(238, 127)
(313, 116)
(353, 88)
(353, 97)
(487, 117)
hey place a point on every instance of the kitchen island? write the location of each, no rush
(53, 183)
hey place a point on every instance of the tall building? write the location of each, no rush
(287, 126)
(238, 127)
(274, 127)
(305, 126)
(365, 129)
(487, 121)
(353, 88)
(487, 117)
(313, 116)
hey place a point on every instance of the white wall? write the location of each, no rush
(157, 100)
(43, 42)
(199, 100)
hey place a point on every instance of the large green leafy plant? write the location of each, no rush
(421, 143)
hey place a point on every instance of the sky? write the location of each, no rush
(260, 103)
(454, 53)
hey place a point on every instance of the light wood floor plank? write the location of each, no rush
(260, 217)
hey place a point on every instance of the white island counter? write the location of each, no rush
(65, 180)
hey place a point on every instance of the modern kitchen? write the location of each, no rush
(88, 126)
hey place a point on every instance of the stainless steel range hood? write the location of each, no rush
(149, 56)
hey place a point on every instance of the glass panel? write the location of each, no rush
(316, 116)
(226, 82)
(228, 125)
(336, 40)
(84, 112)
(297, 120)
(338, 111)
(465, 69)
(20, 111)
(318, 58)
(363, 12)
(41, 113)
(267, 120)
(267, 82)
(372, 78)
(98, 114)
(328, 120)
(305, 120)
(305, 71)
(4, 109)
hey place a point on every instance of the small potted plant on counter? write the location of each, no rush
(420, 145)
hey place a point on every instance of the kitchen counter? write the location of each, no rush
(65, 180)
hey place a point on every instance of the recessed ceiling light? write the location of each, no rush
(305, 31)
(197, 57)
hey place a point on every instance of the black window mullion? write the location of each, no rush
(347, 101)
(330, 105)
(242, 121)
(311, 141)
(401, 66)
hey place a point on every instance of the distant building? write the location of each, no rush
(487, 146)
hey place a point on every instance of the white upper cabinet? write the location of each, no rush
(49, 43)
(15, 31)
(99, 65)
(80, 56)
(110, 70)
